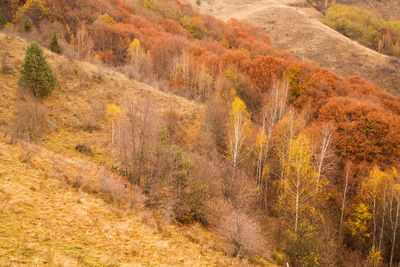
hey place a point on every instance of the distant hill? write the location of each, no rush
(388, 9)
(296, 26)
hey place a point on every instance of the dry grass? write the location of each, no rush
(299, 30)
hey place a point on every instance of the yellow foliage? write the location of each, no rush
(195, 26)
(375, 257)
(299, 180)
(239, 128)
(358, 223)
(135, 43)
(135, 52)
(225, 43)
(239, 108)
(300, 163)
(112, 112)
(107, 19)
(70, 33)
(36, 5)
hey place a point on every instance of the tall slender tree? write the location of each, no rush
(239, 121)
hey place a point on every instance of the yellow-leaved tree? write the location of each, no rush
(373, 192)
(378, 214)
(359, 222)
(135, 53)
(239, 122)
(112, 113)
(299, 180)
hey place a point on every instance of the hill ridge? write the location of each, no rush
(290, 28)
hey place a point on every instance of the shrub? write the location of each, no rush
(107, 19)
(195, 26)
(242, 232)
(54, 46)
(83, 148)
(3, 19)
(301, 247)
(294, 74)
(27, 24)
(29, 120)
(36, 73)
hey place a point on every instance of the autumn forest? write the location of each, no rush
(286, 161)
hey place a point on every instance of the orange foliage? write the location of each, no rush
(365, 131)
(264, 70)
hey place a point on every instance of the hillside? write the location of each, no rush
(296, 27)
(263, 156)
(84, 90)
(44, 220)
(389, 9)
(57, 206)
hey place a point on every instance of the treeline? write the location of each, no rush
(365, 27)
(279, 139)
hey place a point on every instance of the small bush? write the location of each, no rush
(54, 46)
(28, 152)
(243, 233)
(83, 148)
(195, 26)
(4, 67)
(29, 120)
(27, 25)
(301, 247)
(3, 19)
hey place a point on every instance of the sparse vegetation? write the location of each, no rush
(28, 123)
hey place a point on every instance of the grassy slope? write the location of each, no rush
(299, 30)
(43, 219)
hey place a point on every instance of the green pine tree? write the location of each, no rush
(54, 45)
(3, 19)
(36, 73)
